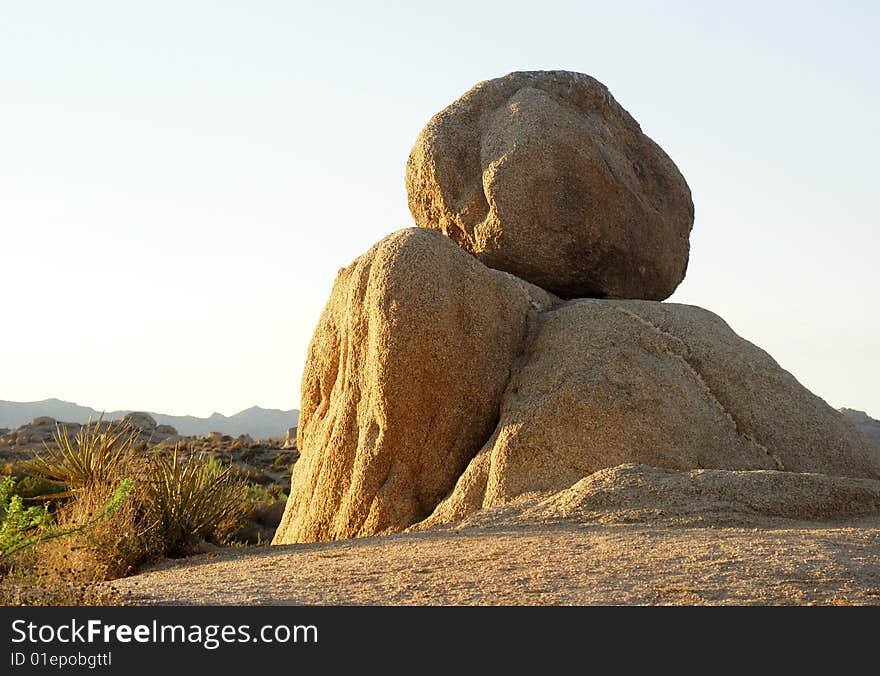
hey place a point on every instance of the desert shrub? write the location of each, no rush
(94, 499)
(262, 520)
(101, 534)
(34, 568)
(117, 509)
(254, 476)
(285, 460)
(188, 501)
(248, 453)
(268, 493)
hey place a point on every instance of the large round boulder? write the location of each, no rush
(544, 175)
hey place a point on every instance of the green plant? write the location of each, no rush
(97, 454)
(17, 522)
(199, 499)
(246, 454)
(22, 527)
(285, 461)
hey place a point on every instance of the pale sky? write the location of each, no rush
(181, 181)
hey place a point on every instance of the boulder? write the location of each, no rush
(141, 420)
(402, 385)
(543, 174)
(605, 383)
(43, 421)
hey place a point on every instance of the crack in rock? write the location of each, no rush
(692, 368)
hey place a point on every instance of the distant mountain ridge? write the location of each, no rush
(259, 423)
(869, 427)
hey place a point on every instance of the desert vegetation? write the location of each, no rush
(94, 505)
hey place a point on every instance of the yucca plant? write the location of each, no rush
(198, 499)
(95, 455)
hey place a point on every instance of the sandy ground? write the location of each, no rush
(559, 563)
(631, 534)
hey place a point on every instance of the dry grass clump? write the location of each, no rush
(112, 543)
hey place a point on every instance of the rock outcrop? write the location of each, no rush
(289, 438)
(25, 439)
(402, 384)
(435, 387)
(543, 174)
(607, 382)
(440, 384)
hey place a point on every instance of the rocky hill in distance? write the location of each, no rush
(259, 423)
(869, 427)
